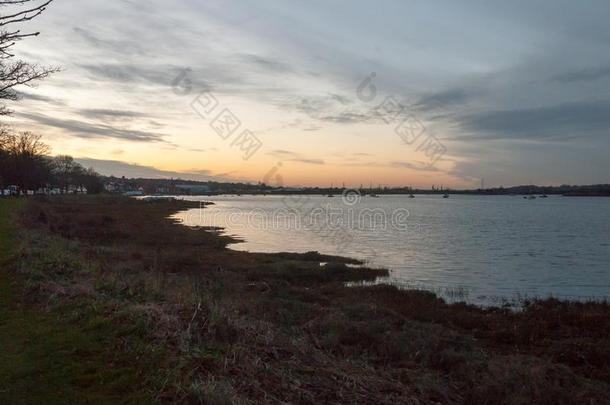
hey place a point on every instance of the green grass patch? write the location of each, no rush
(7, 208)
(48, 357)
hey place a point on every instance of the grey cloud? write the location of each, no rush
(86, 130)
(418, 166)
(341, 99)
(332, 108)
(101, 113)
(227, 176)
(445, 99)
(527, 163)
(413, 166)
(281, 153)
(266, 64)
(346, 117)
(202, 172)
(308, 161)
(131, 170)
(118, 46)
(290, 156)
(312, 128)
(560, 121)
(590, 74)
(38, 97)
(161, 75)
(215, 76)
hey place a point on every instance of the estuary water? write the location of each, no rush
(486, 250)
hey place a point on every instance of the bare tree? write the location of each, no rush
(17, 72)
(6, 137)
(63, 170)
(6, 141)
(67, 173)
(25, 163)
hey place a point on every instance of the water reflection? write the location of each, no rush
(488, 247)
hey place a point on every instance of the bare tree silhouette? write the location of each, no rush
(18, 72)
(23, 160)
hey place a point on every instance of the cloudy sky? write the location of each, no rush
(395, 92)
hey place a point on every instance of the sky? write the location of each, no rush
(320, 92)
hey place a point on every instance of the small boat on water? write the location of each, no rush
(544, 196)
(529, 197)
(411, 196)
(445, 195)
(371, 193)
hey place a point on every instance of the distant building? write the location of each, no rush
(134, 193)
(192, 189)
(11, 190)
(48, 191)
(112, 187)
(292, 189)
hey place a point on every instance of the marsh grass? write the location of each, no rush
(204, 324)
(53, 351)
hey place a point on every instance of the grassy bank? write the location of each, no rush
(54, 353)
(171, 313)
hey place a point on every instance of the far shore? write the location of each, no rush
(339, 193)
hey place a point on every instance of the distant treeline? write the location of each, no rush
(566, 190)
(168, 186)
(25, 165)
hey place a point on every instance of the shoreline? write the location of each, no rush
(381, 193)
(452, 294)
(205, 323)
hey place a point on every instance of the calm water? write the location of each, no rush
(489, 247)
